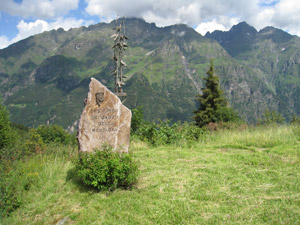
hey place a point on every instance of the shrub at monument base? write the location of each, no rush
(106, 169)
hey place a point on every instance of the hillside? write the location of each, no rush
(44, 78)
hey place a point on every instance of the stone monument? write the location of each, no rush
(104, 120)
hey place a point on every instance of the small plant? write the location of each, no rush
(106, 169)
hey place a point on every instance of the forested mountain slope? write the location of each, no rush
(44, 78)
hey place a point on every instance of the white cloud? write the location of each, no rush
(167, 12)
(162, 11)
(151, 17)
(283, 14)
(210, 26)
(202, 28)
(172, 13)
(189, 13)
(4, 42)
(38, 8)
(205, 15)
(39, 26)
(287, 14)
(262, 19)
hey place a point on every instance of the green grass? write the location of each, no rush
(246, 176)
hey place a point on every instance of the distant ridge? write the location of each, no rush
(44, 78)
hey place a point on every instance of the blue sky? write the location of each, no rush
(20, 19)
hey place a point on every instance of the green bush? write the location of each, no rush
(137, 119)
(20, 129)
(34, 144)
(144, 130)
(106, 169)
(158, 133)
(148, 132)
(53, 133)
(296, 126)
(9, 138)
(165, 132)
(7, 134)
(295, 120)
(10, 197)
(271, 117)
(16, 178)
(190, 132)
(227, 114)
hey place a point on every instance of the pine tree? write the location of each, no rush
(213, 104)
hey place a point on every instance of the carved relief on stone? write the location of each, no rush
(99, 98)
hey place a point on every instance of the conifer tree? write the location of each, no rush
(213, 105)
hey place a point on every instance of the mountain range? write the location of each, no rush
(45, 78)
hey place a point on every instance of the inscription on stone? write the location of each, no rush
(104, 120)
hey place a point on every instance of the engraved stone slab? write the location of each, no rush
(104, 120)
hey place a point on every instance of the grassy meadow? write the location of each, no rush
(239, 176)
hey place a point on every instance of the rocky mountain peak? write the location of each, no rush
(276, 35)
(244, 28)
(237, 40)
